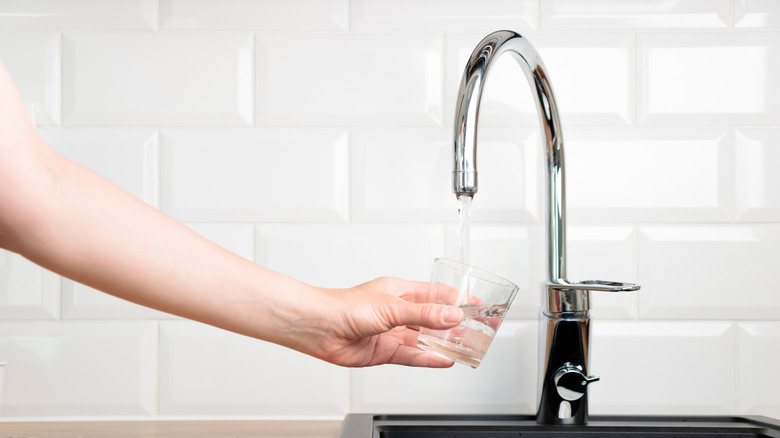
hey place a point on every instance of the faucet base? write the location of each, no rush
(563, 397)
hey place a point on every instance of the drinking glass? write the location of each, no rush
(484, 298)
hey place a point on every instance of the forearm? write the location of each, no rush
(87, 229)
(78, 224)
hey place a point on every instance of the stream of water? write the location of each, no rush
(464, 215)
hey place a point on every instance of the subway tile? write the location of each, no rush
(504, 383)
(126, 157)
(756, 14)
(651, 14)
(510, 167)
(341, 256)
(708, 272)
(442, 15)
(510, 251)
(683, 78)
(205, 371)
(608, 253)
(263, 15)
(157, 79)
(655, 368)
(254, 175)
(33, 61)
(83, 302)
(79, 14)
(406, 175)
(27, 291)
(758, 353)
(647, 176)
(757, 157)
(354, 80)
(402, 175)
(586, 95)
(62, 370)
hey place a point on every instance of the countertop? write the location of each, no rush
(171, 429)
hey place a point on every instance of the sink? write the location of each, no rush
(525, 426)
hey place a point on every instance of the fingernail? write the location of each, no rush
(452, 314)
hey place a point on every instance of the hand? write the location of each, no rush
(375, 323)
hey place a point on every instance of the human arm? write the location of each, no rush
(73, 222)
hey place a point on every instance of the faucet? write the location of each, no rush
(564, 320)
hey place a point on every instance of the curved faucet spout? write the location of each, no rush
(564, 330)
(465, 158)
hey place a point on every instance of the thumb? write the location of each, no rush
(433, 316)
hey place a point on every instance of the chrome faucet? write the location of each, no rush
(564, 321)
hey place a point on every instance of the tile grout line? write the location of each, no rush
(733, 176)
(638, 306)
(635, 91)
(737, 371)
(61, 97)
(253, 70)
(158, 355)
(349, 189)
(539, 14)
(157, 23)
(348, 24)
(158, 169)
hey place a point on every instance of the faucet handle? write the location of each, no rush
(593, 285)
(563, 296)
(570, 381)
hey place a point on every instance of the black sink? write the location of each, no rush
(504, 426)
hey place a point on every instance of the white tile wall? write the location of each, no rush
(314, 137)
(651, 14)
(105, 369)
(756, 196)
(33, 60)
(756, 13)
(92, 14)
(757, 347)
(209, 372)
(647, 175)
(431, 15)
(422, 194)
(220, 15)
(27, 291)
(341, 256)
(657, 368)
(708, 272)
(710, 79)
(256, 175)
(345, 90)
(207, 79)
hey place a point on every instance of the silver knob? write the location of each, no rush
(571, 382)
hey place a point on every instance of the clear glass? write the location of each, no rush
(484, 298)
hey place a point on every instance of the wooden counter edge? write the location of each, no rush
(172, 429)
